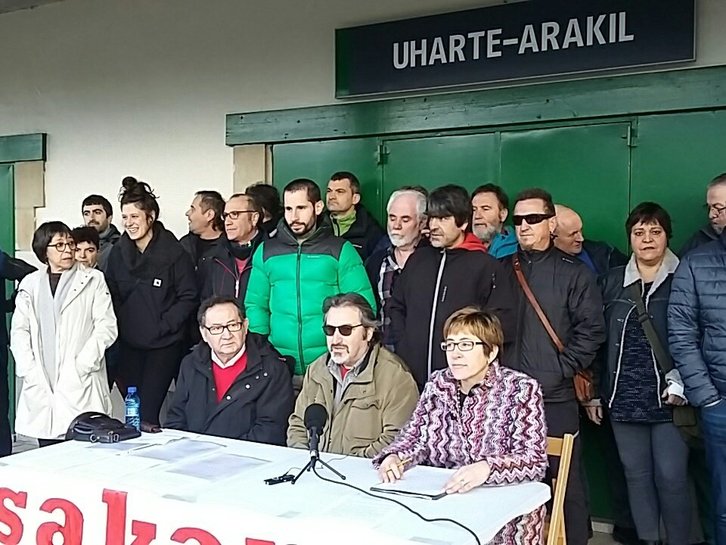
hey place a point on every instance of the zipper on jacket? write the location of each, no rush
(299, 309)
(620, 358)
(432, 322)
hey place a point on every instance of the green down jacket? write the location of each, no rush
(289, 281)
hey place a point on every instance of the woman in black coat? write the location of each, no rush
(154, 291)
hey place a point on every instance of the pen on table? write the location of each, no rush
(402, 464)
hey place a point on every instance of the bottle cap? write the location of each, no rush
(131, 389)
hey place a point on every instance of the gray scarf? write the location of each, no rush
(48, 309)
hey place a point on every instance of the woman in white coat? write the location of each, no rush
(62, 325)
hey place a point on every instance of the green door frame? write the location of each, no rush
(15, 149)
(568, 101)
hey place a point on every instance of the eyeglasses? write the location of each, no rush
(345, 330)
(61, 246)
(531, 219)
(218, 329)
(234, 214)
(718, 208)
(464, 346)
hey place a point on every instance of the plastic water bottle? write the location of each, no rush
(133, 408)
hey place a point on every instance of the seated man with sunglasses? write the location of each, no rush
(234, 384)
(367, 390)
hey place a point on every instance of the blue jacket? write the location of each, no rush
(504, 244)
(697, 322)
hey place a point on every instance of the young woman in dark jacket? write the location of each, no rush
(154, 291)
(638, 394)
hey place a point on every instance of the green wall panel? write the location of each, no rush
(318, 160)
(7, 244)
(468, 160)
(676, 156)
(23, 147)
(585, 167)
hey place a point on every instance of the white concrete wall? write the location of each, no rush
(142, 87)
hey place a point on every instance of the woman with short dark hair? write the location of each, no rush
(479, 417)
(62, 324)
(640, 391)
(154, 291)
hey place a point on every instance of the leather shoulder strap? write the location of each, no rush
(535, 304)
(663, 358)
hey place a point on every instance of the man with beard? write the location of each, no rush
(367, 390)
(97, 213)
(226, 270)
(452, 273)
(716, 208)
(406, 219)
(294, 272)
(489, 205)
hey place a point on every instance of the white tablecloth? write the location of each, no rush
(178, 486)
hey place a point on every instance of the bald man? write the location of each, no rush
(600, 257)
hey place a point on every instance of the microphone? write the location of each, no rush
(315, 418)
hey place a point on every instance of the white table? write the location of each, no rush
(212, 489)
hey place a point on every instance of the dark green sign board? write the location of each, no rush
(512, 41)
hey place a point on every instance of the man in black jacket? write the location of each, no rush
(599, 257)
(234, 384)
(570, 299)
(716, 207)
(226, 269)
(454, 272)
(350, 220)
(206, 227)
(14, 270)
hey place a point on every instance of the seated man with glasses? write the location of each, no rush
(233, 384)
(369, 392)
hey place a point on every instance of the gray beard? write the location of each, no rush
(718, 228)
(485, 234)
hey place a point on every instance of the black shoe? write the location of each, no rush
(626, 536)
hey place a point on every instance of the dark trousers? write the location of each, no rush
(6, 440)
(151, 371)
(655, 458)
(562, 418)
(713, 425)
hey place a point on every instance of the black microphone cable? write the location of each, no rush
(406, 507)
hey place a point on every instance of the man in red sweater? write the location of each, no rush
(233, 384)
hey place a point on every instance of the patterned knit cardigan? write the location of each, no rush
(501, 421)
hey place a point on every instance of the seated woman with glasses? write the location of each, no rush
(479, 417)
(62, 325)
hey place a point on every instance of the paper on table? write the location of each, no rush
(177, 450)
(420, 481)
(217, 466)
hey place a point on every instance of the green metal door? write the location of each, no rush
(318, 160)
(585, 167)
(676, 156)
(7, 244)
(468, 160)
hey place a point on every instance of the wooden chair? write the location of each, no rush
(562, 449)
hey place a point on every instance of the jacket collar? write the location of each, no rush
(202, 356)
(668, 267)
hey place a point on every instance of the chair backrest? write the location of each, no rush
(561, 448)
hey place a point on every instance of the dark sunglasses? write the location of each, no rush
(531, 219)
(345, 330)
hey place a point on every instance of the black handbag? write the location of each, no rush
(96, 427)
(685, 417)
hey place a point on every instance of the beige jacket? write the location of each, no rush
(374, 407)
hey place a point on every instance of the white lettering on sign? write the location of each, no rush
(592, 31)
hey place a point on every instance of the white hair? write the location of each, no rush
(420, 200)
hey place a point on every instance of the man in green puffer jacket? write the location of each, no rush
(294, 272)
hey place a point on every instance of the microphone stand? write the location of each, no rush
(315, 458)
